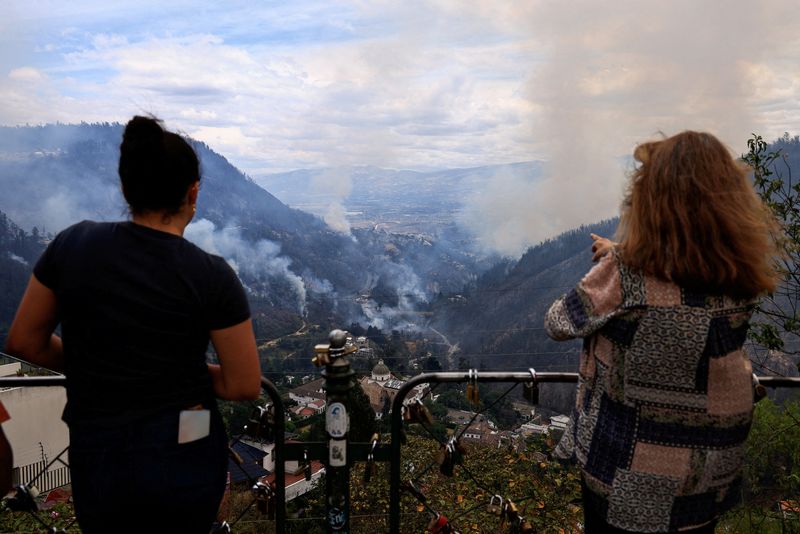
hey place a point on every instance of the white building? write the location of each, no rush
(296, 483)
(35, 431)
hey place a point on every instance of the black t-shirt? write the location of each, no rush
(136, 306)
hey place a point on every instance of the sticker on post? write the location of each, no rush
(337, 453)
(337, 518)
(336, 420)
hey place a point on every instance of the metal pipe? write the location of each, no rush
(280, 462)
(338, 383)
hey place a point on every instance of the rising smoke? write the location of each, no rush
(334, 185)
(252, 261)
(616, 75)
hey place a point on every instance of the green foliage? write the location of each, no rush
(778, 326)
(542, 490)
(773, 455)
(771, 471)
(772, 464)
(59, 516)
(545, 493)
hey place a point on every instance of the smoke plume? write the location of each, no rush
(334, 185)
(254, 261)
(614, 76)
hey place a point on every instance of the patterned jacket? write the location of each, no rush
(664, 400)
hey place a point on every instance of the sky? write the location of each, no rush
(418, 84)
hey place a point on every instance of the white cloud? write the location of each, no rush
(26, 74)
(434, 83)
(612, 77)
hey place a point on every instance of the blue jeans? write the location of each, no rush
(137, 478)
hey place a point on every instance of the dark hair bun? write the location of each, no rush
(142, 132)
(156, 167)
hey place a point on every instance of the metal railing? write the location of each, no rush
(338, 454)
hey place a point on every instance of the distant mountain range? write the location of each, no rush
(400, 201)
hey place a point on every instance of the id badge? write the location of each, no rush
(193, 425)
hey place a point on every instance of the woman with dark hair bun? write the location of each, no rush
(665, 392)
(138, 305)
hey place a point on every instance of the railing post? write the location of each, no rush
(338, 383)
(280, 455)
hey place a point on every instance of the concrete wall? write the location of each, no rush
(35, 426)
(303, 486)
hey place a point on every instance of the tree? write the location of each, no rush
(777, 326)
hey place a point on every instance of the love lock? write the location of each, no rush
(530, 390)
(439, 525)
(495, 505)
(510, 514)
(759, 391)
(457, 450)
(369, 469)
(473, 395)
(265, 499)
(417, 412)
(261, 424)
(306, 466)
(447, 464)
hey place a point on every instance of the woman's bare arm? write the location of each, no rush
(238, 375)
(31, 335)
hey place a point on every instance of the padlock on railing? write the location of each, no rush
(439, 524)
(759, 391)
(265, 499)
(495, 505)
(459, 451)
(445, 459)
(524, 527)
(306, 466)
(261, 425)
(530, 390)
(369, 469)
(450, 455)
(417, 412)
(509, 515)
(473, 395)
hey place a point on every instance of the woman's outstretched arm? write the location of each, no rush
(31, 336)
(238, 375)
(601, 246)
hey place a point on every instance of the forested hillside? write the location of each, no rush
(291, 261)
(18, 252)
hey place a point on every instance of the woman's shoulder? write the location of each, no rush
(83, 230)
(645, 289)
(212, 264)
